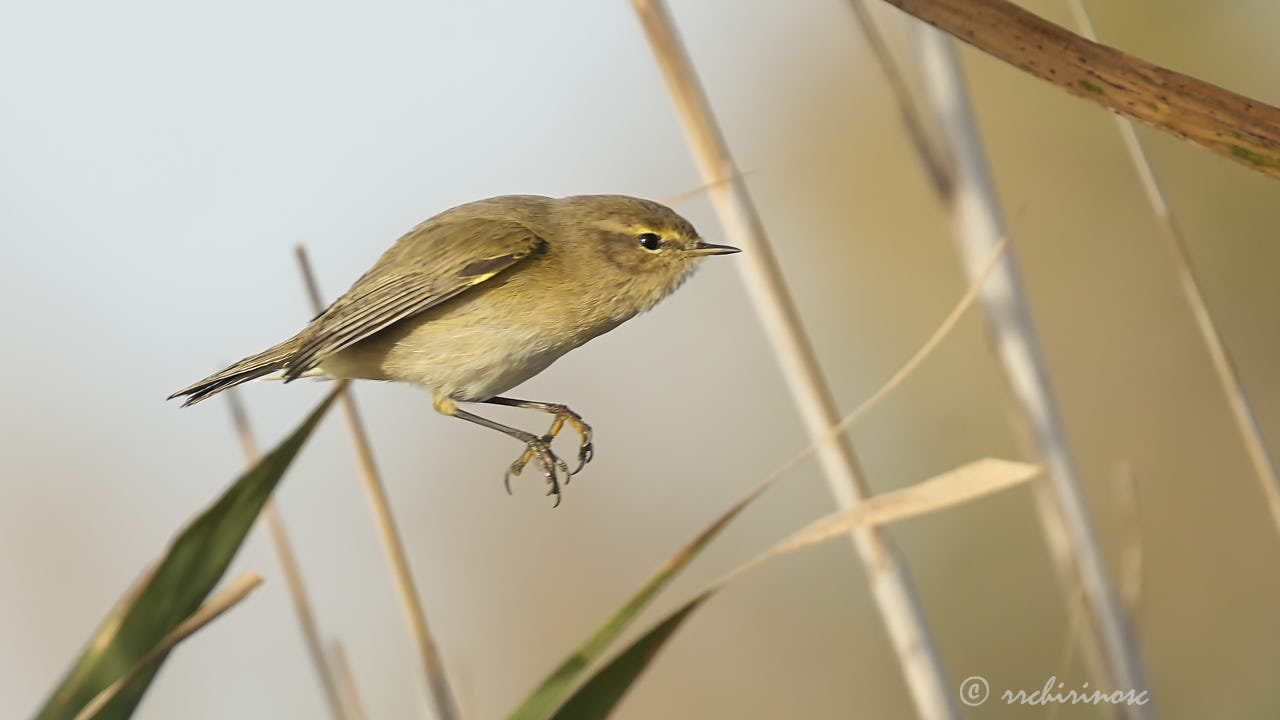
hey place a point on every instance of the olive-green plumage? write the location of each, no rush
(484, 296)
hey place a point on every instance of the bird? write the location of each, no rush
(483, 296)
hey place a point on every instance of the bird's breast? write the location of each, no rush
(477, 349)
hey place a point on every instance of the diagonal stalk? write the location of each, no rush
(888, 578)
(289, 565)
(979, 225)
(1264, 465)
(446, 708)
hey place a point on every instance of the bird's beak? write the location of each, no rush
(708, 249)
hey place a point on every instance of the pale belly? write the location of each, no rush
(467, 359)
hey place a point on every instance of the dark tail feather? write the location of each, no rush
(250, 368)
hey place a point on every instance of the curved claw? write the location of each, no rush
(550, 469)
(586, 449)
(551, 465)
(552, 481)
(586, 452)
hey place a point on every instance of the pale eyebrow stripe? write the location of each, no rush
(614, 226)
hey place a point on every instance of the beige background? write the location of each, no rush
(159, 161)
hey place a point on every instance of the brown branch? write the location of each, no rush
(1231, 125)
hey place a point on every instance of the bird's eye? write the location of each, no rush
(650, 241)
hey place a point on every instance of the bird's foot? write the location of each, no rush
(586, 450)
(552, 466)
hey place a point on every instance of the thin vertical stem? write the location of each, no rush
(441, 693)
(979, 226)
(1264, 465)
(1133, 560)
(288, 563)
(936, 162)
(890, 584)
(347, 682)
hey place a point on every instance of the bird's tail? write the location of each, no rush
(250, 368)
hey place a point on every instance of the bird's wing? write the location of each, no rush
(432, 263)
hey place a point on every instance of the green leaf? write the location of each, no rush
(555, 688)
(195, 561)
(598, 696)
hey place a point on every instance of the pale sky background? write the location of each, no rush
(159, 161)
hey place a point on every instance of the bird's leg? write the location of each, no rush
(586, 450)
(535, 447)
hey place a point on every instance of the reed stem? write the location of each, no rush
(288, 560)
(442, 696)
(1264, 466)
(890, 584)
(979, 224)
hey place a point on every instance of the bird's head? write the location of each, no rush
(647, 248)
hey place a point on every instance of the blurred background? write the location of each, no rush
(159, 161)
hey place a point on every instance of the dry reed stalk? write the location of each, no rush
(442, 696)
(936, 161)
(1233, 126)
(288, 563)
(350, 692)
(238, 590)
(1241, 409)
(937, 164)
(957, 486)
(979, 226)
(1133, 560)
(890, 584)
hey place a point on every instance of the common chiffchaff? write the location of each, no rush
(484, 296)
